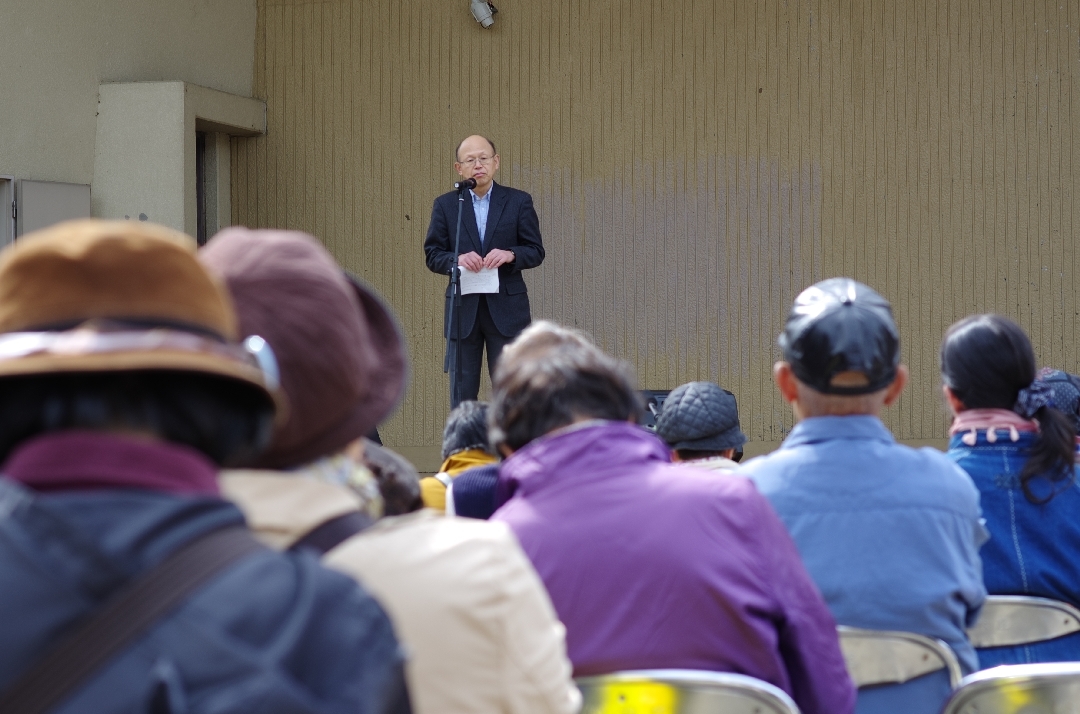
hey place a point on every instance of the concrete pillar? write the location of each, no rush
(144, 161)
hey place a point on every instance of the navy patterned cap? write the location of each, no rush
(700, 416)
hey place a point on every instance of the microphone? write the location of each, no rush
(466, 184)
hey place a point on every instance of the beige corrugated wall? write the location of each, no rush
(694, 164)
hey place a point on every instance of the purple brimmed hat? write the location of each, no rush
(340, 353)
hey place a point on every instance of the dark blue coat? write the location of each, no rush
(512, 224)
(474, 491)
(273, 633)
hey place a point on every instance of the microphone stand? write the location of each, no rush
(452, 361)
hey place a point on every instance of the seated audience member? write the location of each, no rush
(649, 564)
(1065, 389)
(473, 615)
(464, 446)
(700, 422)
(890, 534)
(1021, 452)
(399, 483)
(123, 391)
(472, 494)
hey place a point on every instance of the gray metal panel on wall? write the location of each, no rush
(43, 203)
(7, 220)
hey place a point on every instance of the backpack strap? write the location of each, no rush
(444, 478)
(123, 618)
(327, 535)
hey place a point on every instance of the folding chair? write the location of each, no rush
(898, 671)
(681, 691)
(888, 657)
(1050, 688)
(1020, 620)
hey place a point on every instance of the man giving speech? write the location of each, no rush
(499, 230)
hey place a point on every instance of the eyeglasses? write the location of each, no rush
(476, 160)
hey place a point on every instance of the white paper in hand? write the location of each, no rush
(486, 281)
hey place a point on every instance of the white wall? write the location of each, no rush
(144, 166)
(55, 53)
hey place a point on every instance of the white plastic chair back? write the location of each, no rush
(1049, 688)
(888, 657)
(1020, 620)
(681, 691)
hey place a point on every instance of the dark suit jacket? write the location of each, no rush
(512, 223)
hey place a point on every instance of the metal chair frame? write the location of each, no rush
(1048, 688)
(1021, 619)
(891, 657)
(759, 696)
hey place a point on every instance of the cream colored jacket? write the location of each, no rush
(480, 630)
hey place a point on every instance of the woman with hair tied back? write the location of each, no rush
(1020, 452)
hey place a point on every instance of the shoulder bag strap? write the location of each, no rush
(123, 618)
(327, 535)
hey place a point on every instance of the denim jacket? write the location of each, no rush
(1033, 549)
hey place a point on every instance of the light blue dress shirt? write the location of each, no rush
(889, 534)
(481, 205)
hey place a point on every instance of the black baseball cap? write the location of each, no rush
(840, 325)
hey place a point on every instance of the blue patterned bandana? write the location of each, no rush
(1033, 398)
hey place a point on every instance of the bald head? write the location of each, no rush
(807, 402)
(476, 159)
(475, 140)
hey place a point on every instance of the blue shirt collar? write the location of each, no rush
(486, 197)
(831, 428)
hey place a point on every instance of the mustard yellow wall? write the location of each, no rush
(694, 164)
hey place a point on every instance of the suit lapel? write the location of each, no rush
(498, 202)
(468, 222)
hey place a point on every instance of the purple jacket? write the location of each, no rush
(655, 565)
